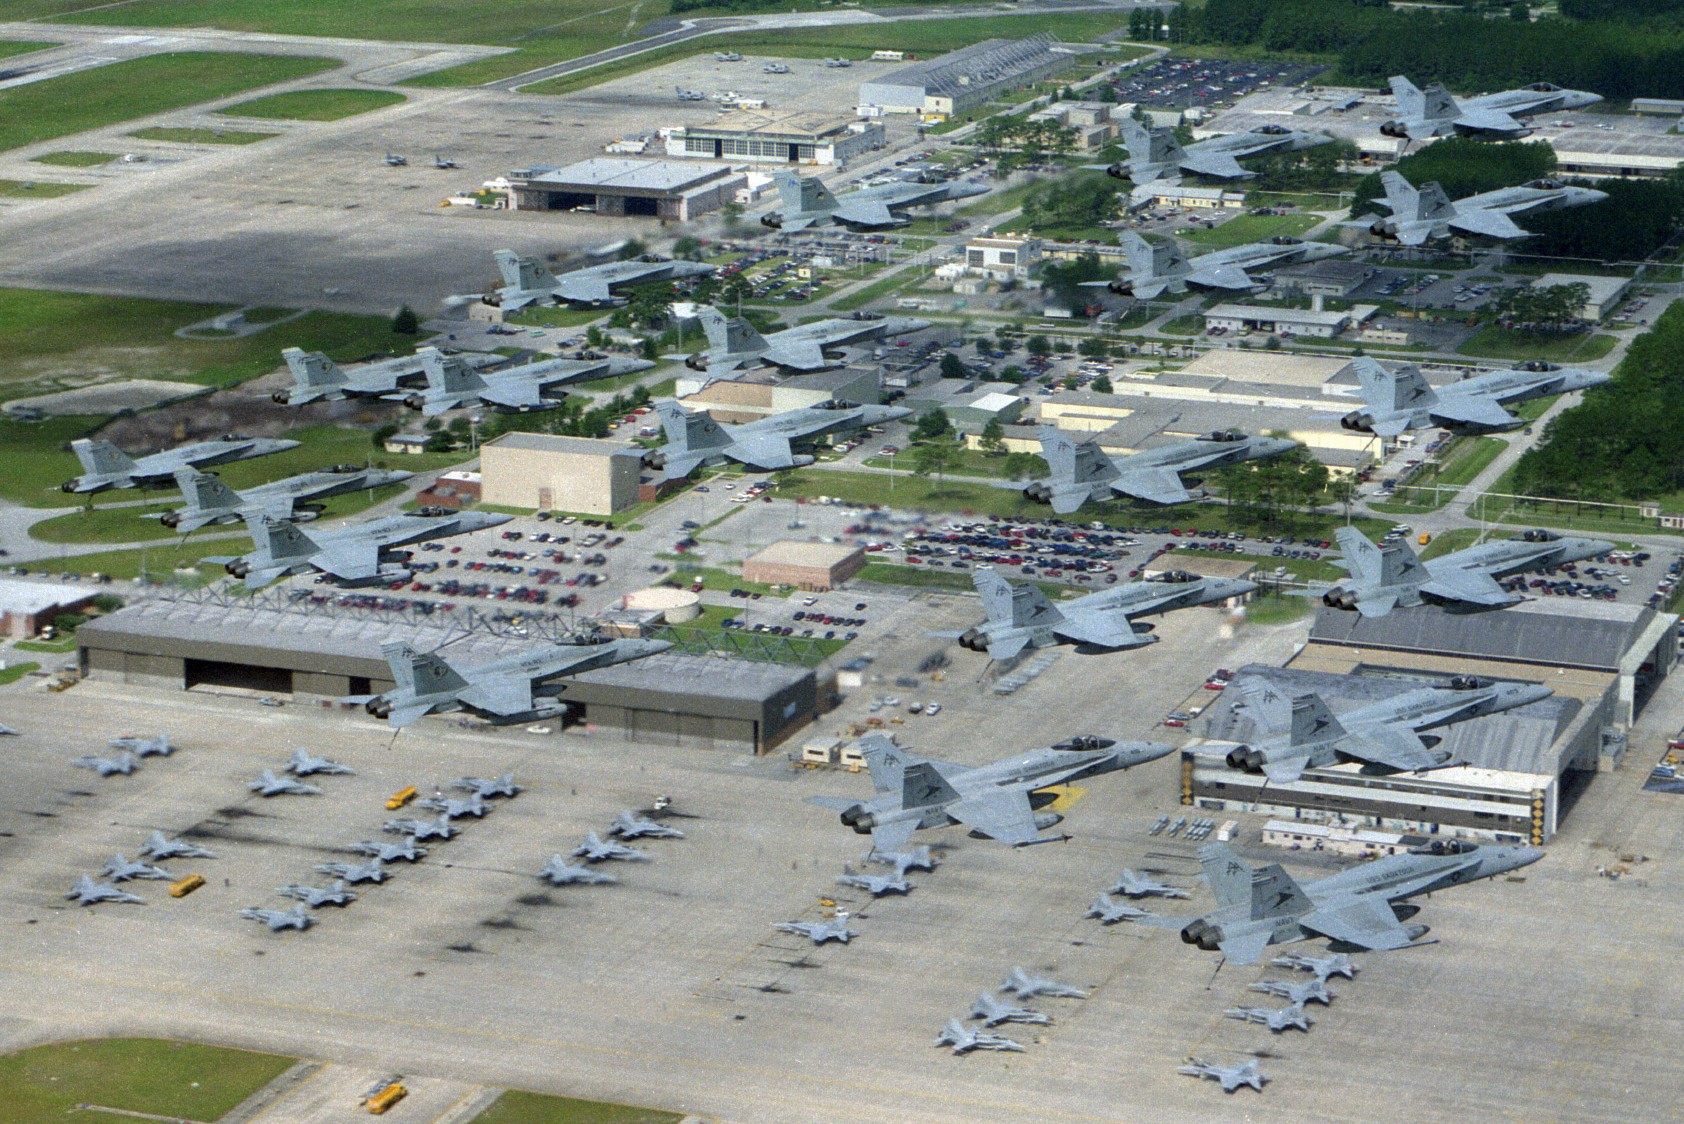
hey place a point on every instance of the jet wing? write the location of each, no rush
(1104, 630)
(1285, 770)
(1006, 649)
(1391, 746)
(1154, 485)
(1473, 411)
(1221, 277)
(865, 212)
(1376, 606)
(1003, 815)
(404, 715)
(1247, 948)
(521, 395)
(893, 836)
(1366, 921)
(587, 289)
(1494, 224)
(1472, 586)
(502, 695)
(1068, 499)
(803, 355)
(793, 226)
(766, 451)
(352, 561)
(1492, 119)
(1218, 164)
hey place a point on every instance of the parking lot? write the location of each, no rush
(1206, 83)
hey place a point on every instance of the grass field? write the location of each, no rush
(516, 1107)
(315, 105)
(202, 136)
(173, 1079)
(1252, 228)
(122, 91)
(1492, 342)
(16, 671)
(33, 189)
(9, 49)
(1270, 608)
(75, 159)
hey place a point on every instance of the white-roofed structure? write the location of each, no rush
(664, 189)
(26, 607)
(960, 80)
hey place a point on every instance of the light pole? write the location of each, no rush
(473, 433)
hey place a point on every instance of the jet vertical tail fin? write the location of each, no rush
(1361, 556)
(1401, 196)
(1438, 104)
(1403, 389)
(282, 541)
(312, 372)
(690, 430)
(100, 458)
(1015, 605)
(815, 196)
(886, 761)
(203, 491)
(1312, 721)
(922, 785)
(445, 374)
(1274, 893)
(522, 272)
(1411, 102)
(420, 673)
(1399, 565)
(1229, 878)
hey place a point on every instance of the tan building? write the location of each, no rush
(814, 566)
(545, 473)
(26, 607)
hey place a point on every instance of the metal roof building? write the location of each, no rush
(778, 137)
(960, 80)
(664, 189)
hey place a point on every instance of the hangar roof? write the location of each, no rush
(1595, 634)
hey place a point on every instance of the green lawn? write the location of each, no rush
(886, 573)
(880, 289)
(1492, 342)
(1190, 325)
(555, 317)
(315, 105)
(202, 136)
(516, 1107)
(9, 49)
(12, 674)
(175, 1079)
(1268, 608)
(75, 159)
(1251, 228)
(1447, 541)
(34, 189)
(122, 91)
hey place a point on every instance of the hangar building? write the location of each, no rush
(549, 473)
(663, 189)
(778, 137)
(960, 80)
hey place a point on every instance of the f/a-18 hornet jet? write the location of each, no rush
(88, 892)
(160, 847)
(1420, 214)
(1110, 912)
(1230, 1076)
(1020, 615)
(819, 346)
(1310, 991)
(515, 689)
(316, 378)
(120, 869)
(1395, 401)
(994, 1011)
(142, 745)
(1383, 577)
(1154, 153)
(420, 831)
(209, 500)
(998, 800)
(695, 439)
(298, 917)
(513, 390)
(528, 280)
(1277, 1019)
(268, 784)
(1082, 472)
(563, 873)
(596, 849)
(304, 764)
(964, 1039)
(1159, 267)
(1383, 737)
(125, 763)
(489, 787)
(355, 554)
(808, 202)
(1025, 986)
(316, 896)
(1324, 967)
(1435, 112)
(830, 929)
(106, 466)
(630, 825)
(1131, 885)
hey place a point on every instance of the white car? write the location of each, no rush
(932, 708)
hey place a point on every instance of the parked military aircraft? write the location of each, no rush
(1277, 1019)
(1020, 615)
(124, 763)
(875, 884)
(209, 500)
(393, 160)
(268, 784)
(964, 1039)
(489, 787)
(1131, 885)
(422, 830)
(371, 871)
(1420, 214)
(839, 64)
(727, 56)
(454, 808)
(407, 850)
(1025, 986)
(316, 378)
(595, 849)
(734, 343)
(919, 858)
(994, 1011)
(1324, 967)
(1155, 268)
(774, 68)
(830, 929)
(1110, 912)
(106, 466)
(513, 390)
(88, 892)
(317, 896)
(690, 95)
(1383, 737)
(808, 202)
(695, 439)
(528, 280)
(630, 825)
(1298, 994)
(159, 847)
(350, 554)
(1361, 907)
(520, 688)
(1082, 472)
(1231, 1076)
(120, 869)
(1154, 153)
(277, 919)
(443, 162)
(998, 800)
(1382, 578)
(1434, 112)
(1395, 401)
(302, 764)
(158, 746)
(561, 872)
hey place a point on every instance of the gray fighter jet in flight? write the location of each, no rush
(1363, 907)
(455, 807)
(371, 871)
(808, 202)
(830, 929)
(1110, 912)
(106, 466)
(297, 917)
(994, 1011)
(964, 1039)
(421, 830)
(630, 825)
(124, 763)
(352, 554)
(489, 787)
(1154, 153)
(819, 346)
(121, 869)
(209, 500)
(316, 378)
(1400, 400)
(513, 390)
(1383, 577)
(1020, 615)
(765, 445)
(1383, 737)
(919, 858)
(998, 800)
(302, 764)
(875, 884)
(1131, 885)
(1434, 112)
(1277, 1019)
(407, 851)
(141, 746)
(563, 873)
(516, 689)
(1324, 967)
(1082, 472)
(88, 892)
(1025, 986)
(528, 280)
(1427, 213)
(317, 896)
(595, 849)
(268, 784)
(1231, 1076)
(159, 847)
(1298, 994)
(1155, 268)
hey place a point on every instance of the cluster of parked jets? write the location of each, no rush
(628, 825)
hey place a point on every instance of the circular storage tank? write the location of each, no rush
(675, 605)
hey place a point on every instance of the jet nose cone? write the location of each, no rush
(1513, 858)
(892, 413)
(1594, 547)
(1141, 752)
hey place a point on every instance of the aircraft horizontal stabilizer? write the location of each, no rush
(1247, 948)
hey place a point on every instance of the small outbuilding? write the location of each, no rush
(813, 566)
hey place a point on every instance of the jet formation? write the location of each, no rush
(316, 378)
(765, 445)
(808, 202)
(105, 466)
(1427, 213)
(1401, 400)
(355, 554)
(1082, 472)
(210, 501)
(522, 389)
